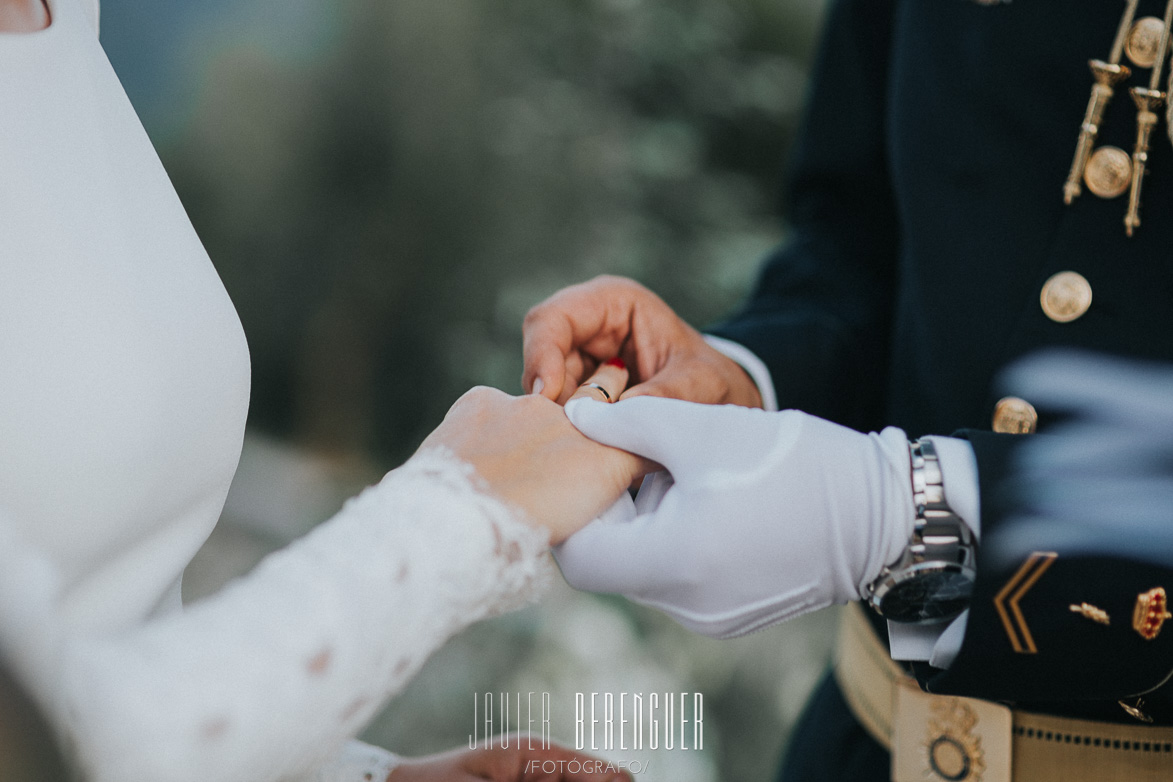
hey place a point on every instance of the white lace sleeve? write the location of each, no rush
(271, 676)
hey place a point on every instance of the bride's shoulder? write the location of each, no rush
(93, 9)
(90, 8)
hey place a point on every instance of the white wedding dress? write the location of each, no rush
(124, 383)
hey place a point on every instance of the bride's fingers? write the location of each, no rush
(606, 384)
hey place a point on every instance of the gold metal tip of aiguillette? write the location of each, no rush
(1089, 611)
(1150, 613)
(1107, 75)
(1147, 101)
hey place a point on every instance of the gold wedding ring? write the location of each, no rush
(606, 384)
(598, 388)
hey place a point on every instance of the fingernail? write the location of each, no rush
(538, 386)
(616, 362)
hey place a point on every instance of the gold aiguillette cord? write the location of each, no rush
(1107, 75)
(1147, 100)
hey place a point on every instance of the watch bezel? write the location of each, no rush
(888, 601)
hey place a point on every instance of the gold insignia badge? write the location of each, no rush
(1135, 711)
(952, 751)
(1150, 613)
(1089, 611)
(1008, 597)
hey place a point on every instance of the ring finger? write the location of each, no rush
(608, 382)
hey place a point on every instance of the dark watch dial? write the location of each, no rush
(929, 596)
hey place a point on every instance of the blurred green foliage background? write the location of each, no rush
(387, 186)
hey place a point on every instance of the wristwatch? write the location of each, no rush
(932, 581)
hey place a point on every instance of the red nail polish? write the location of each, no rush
(616, 362)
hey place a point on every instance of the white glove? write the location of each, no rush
(771, 515)
(1101, 481)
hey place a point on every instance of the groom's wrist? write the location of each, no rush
(753, 366)
(932, 580)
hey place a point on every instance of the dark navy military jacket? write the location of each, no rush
(927, 206)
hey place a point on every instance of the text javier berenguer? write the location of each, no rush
(602, 720)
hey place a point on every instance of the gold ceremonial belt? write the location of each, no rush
(942, 737)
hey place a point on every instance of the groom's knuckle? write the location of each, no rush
(615, 281)
(533, 317)
(609, 281)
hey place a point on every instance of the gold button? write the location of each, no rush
(1144, 39)
(1066, 296)
(1015, 416)
(1108, 172)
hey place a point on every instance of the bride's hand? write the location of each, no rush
(530, 456)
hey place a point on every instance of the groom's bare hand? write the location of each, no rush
(569, 334)
(516, 764)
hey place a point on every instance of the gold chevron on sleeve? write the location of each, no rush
(1006, 601)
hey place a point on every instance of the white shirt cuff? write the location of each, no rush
(753, 366)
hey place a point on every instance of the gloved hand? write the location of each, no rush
(1101, 481)
(770, 515)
